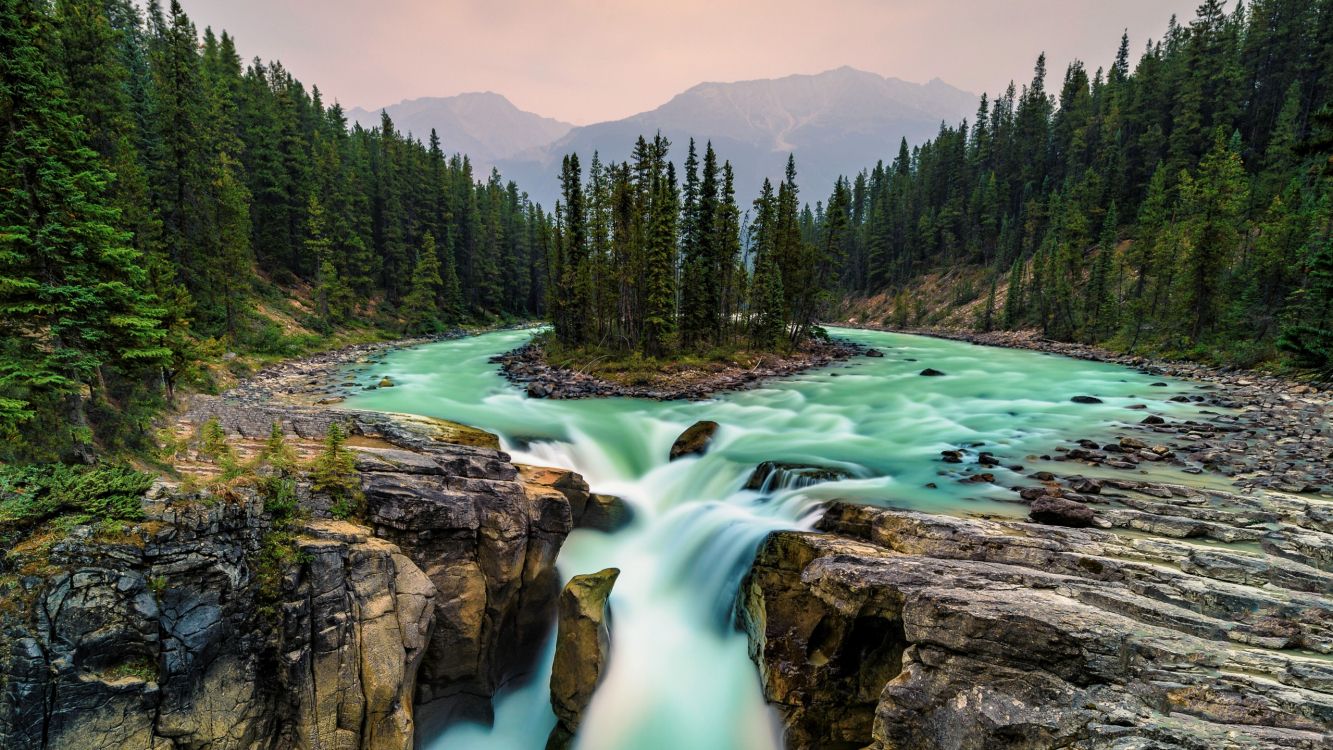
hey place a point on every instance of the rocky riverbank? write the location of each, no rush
(321, 379)
(209, 625)
(527, 367)
(912, 631)
(1141, 604)
(1254, 429)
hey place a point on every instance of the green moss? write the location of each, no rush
(278, 554)
(139, 668)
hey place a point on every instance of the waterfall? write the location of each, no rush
(868, 430)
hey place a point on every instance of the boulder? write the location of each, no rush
(694, 440)
(582, 648)
(1086, 400)
(1058, 511)
(931, 372)
(774, 475)
(605, 513)
(872, 352)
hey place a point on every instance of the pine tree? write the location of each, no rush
(727, 231)
(1100, 312)
(1212, 205)
(1013, 298)
(660, 237)
(73, 293)
(421, 306)
(229, 264)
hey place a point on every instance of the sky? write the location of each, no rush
(586, 61)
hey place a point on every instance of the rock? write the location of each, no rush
(527, 367)
(930, 372)
(773, 475)
(1086, 400)
(582, 648)
(872, 352)
(694, 440)
(1085, 485)
(912, 631)
(1058, 511)
(1152, 419)
(951, 457)
(386, 382)
(191, 635)
(606, 513)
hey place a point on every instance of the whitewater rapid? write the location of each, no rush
(679, 673)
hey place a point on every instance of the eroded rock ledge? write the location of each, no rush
(896, 629)
(183, 633)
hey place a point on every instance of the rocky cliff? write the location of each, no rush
(904, 630)
(192, 629)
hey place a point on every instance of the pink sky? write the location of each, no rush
(590, 60)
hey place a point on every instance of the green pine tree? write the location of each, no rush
(421, 306)
(73, 292)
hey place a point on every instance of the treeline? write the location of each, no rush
(1182, 206)
(642, 262)
(153, 189)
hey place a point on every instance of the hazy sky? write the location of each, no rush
(589, 60)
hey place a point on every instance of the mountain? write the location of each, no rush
(485, 125)
(836, 122)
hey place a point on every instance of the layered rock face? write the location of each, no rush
(582, 648)
(163, 639)
(185, 632)
(906, 630)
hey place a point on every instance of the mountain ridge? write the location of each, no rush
(485, 125)
(835, 122)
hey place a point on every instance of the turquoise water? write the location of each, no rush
(679, 674)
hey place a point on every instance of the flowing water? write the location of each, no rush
(679, 674)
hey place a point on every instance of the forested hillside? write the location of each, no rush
(155, 191)
(1177, 203)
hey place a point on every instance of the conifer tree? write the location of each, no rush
(1100, 313)
(73, 293)
(1212, 204)
(421, 306)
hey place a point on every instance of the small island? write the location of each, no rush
(657, 288)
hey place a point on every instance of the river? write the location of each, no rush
(679, 674)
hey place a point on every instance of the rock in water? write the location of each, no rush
(605, 513)
(1058, 511)
(874, 353)
(694, 440)
(582, 646)
(1086, 400)
(773, 475)
(931, 372)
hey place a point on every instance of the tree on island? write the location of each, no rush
(664, 270)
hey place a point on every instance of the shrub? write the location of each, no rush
(69, 495)
(333, 473)
(277, 455)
